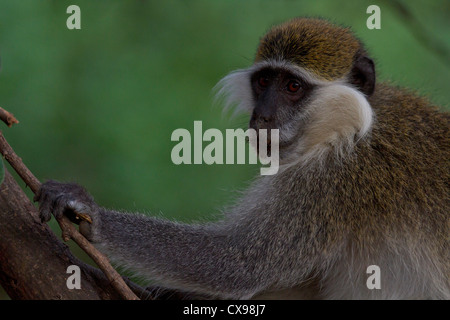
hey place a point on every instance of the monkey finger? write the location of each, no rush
(86, 229)
(78, 206)
(37, 195)
(59, 206)
(77, 211)
(45, 211)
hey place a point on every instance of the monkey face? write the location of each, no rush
(279, 98)
(308, 87)
(313, 115)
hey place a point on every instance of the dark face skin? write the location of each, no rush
(279, 96)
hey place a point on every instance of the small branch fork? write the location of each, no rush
(68, 229)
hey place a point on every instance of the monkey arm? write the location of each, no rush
(228, 259)
(202, 258)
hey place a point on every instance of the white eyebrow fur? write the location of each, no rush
(235, 88)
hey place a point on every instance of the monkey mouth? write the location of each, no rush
(264, 147)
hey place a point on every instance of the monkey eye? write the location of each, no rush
(293, 86)
(263, 82)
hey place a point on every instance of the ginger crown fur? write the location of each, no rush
(325, 49)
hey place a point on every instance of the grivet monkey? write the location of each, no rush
(364, 180)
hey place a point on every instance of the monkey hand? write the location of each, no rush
(71, 200)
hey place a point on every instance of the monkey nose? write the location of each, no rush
(260, 122)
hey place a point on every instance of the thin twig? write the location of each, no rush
(7, 117)
(68, 229)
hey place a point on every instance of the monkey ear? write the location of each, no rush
(363, 75)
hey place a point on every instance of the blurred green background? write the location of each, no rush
(98, 105)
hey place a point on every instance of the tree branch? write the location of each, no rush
(68, 230)
(33, 261)
(7, 117)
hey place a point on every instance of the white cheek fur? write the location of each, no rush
(235, 91)
(338, 111)
(338, 117)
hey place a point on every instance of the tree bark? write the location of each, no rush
(33, 261)
(68, 230)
